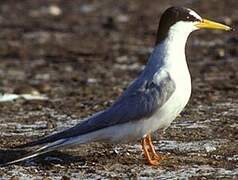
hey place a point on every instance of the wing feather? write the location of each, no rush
(140, 100)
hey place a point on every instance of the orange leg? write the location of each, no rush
(152, 157)
(152, 149)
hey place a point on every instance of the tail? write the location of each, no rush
(48, 143)
(39, 151)
(83, 132)
(45, 140)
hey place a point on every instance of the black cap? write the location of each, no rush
(170, 17)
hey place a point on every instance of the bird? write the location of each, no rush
(150, 103)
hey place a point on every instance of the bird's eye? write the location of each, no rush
(187, 17)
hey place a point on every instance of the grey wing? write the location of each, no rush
(140, 102)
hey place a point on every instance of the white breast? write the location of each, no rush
(174, 62)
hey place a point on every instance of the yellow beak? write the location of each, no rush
(207, 24)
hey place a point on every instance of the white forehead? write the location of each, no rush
(193, 13)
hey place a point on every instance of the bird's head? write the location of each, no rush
(182, 21)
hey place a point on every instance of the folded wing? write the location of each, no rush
(141, 100)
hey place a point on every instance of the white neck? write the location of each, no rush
(171, 52)
(173, 49)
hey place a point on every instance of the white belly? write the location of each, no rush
(176, 103)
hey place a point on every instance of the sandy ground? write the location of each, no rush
(82, 55)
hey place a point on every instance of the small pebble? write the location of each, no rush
(55, 10)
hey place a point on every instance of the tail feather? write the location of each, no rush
(37, 152)
(46, 140)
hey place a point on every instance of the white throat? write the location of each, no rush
(177, 38)
(170, 53)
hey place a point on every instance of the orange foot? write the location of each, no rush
(150, 154)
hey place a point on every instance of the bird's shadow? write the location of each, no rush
(88, 156)
(51, 158)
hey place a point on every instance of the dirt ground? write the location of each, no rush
(82, 55)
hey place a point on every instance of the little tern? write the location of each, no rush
(150, 103)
